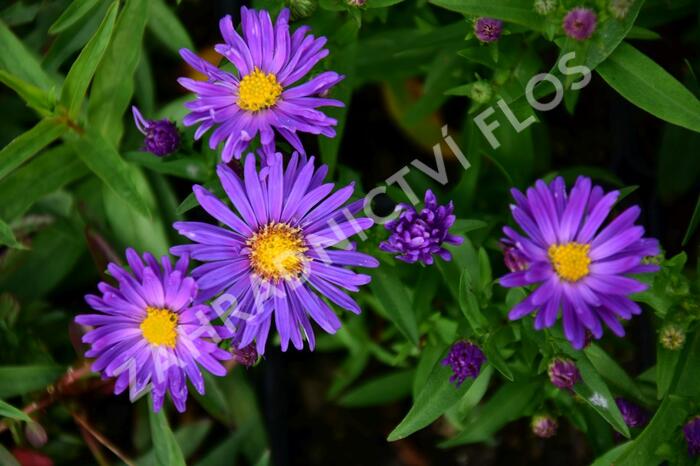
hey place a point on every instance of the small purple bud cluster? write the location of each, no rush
(488, 29)
(465, 359)
(563, 373)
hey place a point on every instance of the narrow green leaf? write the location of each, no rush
(381, 3)
(437, 396)
(226, 451)
(71, 15)
(494, 357)
(6, 458)
(597, 394)
(113, 87)
(187, 167)
(515, 11)
(189, 438)
(381, 390)
(7, 237)
(165, 25)
(167, 451)
(7, 410)
(42, 175)
(38, 99)
(26, 145)
(392, 295)
(20, 380)
(609, 457)
(693, 225)
(613, 373)
(83, 69)
(103, 159)
(16, 59)
(469, 304)
(644, 83)
(511, 401)
(671, 414)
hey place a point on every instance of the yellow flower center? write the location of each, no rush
(277, 252)
(160, 327)
(258, 91)
(570, 260)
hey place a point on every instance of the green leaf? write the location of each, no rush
(226, 451)
(114, 81)
(71, 15)
(187, 167)
(465, 225)
(692, 226)
(594, 390)
(20, 380)
(493, 354)
(42, 175)
(381, 390)
(83, 69)
(515, 11)
(613, 373)
(392, 294)
(38, 99)
(26, 145)
(671, 414)
(609, 457)
(511, 401)
(16, 59)
(7, 410)
(167, 451)
(189, 438)
(103, 159)
(437, 396)
(469, 304)
(644, 83)
(165, 25)
(7, 237)
(381, 3)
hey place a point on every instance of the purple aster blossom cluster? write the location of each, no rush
(465, 359)
(633, 414)
(149, 330)
(563, 373)
(488, 30)
(544, 426)
(418, 236)
(580, 267)
(580, 23)
(264, 95)
(161, 136)
(691, 431)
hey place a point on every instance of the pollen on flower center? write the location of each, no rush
(277, 252)
(160, 326)
(258, 91)
(570, 261)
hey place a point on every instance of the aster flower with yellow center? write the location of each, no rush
(581, 269)
(263, 95)
(149, 331)
(278, 255)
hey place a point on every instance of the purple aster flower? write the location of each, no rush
(488, 29)
(262, 94)
(162, 136)
(579, 268)
(544, 426)
(278, 255)
(692, 436)
(634, 415)
(148, 330)
(563, 373)
(465, 359)
(580, 23)
(512, 257)
(418, 236)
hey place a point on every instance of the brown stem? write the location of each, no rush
(85, 425)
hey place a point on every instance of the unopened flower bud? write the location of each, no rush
(544, 7)
(481, 92)
(302, 8)
(35, 434)
(544, 426)
(672, 337)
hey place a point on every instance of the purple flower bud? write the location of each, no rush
(247, 356)
(162, 136)
(544, 426)
(563, 373)
(418, 236)
(514, 259)
(35, 434)
(634, 415)
(465, 359)
(580, 23)
(692, 436)
(488, 29)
